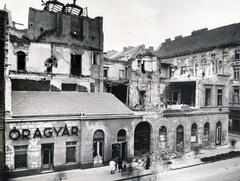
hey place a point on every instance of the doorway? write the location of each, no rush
(98, 148)
(47, 156)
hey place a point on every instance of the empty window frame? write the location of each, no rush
(20, 160)
(121, 74)
(194, 133)
(183, 70)
(76, 65)
(95, 58)
(206, 132)
(71, 151)
(236, 72)
(21, 61)
(105, 71)
(219, 97)
(142, 95)
(69, 87)
(207, 97)
(237, 54)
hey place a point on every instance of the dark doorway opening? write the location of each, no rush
(47, 156)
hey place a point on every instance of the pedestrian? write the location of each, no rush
(116, 165)
(233, 142)
(120, 164)
(147, 163)
(112, 166)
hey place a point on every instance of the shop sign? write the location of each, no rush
(48, 132)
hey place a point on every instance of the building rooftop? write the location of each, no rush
(200, 40)
(40, 103)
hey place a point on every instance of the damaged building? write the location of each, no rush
(56, 116)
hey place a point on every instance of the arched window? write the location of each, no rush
(180, 134)
(163, 136)
(98, 147)
(194, 133)
(21, 61)
(121, 136)
(206, 131)
(219, 133)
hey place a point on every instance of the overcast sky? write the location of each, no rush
(149, 22)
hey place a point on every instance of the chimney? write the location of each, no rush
(151, 49)
(125, 49)
(178, 37)
(197, 32)
(168, 40)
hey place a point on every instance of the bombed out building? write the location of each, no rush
(56, 114)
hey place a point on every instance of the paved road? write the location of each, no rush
(226, 170)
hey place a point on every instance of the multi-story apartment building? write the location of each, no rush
(202, 70)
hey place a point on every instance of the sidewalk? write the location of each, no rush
(103, 173)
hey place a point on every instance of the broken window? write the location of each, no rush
(95, 58)
(220, 67)
(207, 97)
(121, 74)
(141, 66)
(206, 132)
(76, 65)
(176, 97)
(237, 54)
(183, 70)
(142, 97)
(105, 71)
(21, 61)
(69, 87)
(194, 133)
(219, 97)
(236, 72)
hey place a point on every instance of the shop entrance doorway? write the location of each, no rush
(47, 156)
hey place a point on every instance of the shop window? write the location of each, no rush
(207, 97)
(95, 58)
(71, 151)
(206, 132)
(105, 71)
(121, 74)
(21, 61)
(76, 65)
(219, 97)
(237, 54)
(236, 71)
(194, 133)
(20, 160)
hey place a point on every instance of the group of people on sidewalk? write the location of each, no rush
(116, 165)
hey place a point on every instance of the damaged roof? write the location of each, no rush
(200, 40)
(37, 103)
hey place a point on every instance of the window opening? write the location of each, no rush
(236, 72)
(121, 74)
(183, 70)
(236, 96)
(219, 97)
(20, 160)
(105, 71)
(21, 61)
(237, 54)
(95, 58)
(76, 65)
(142, 97)
(207, 97)
(194, 133)
(71, 151)
(206, 132)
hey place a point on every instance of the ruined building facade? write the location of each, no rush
(58, 52)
